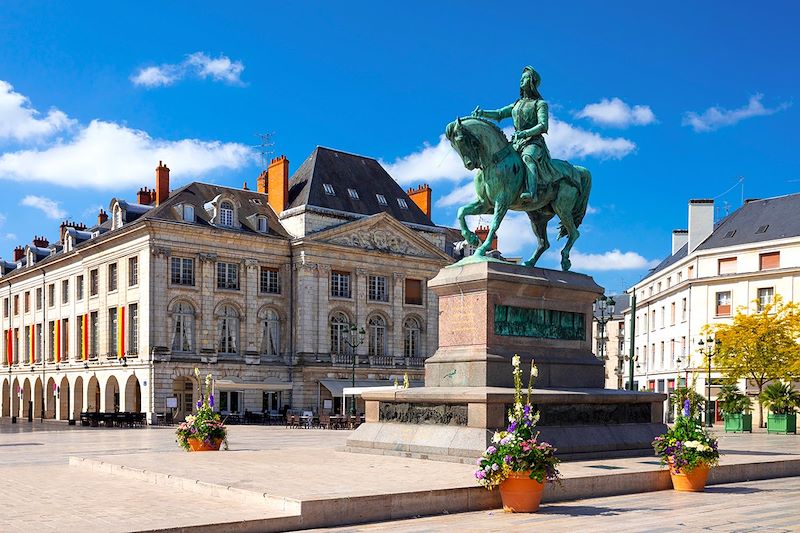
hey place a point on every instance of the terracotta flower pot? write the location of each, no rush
(692, 481)
(520, 493)
(198, 445)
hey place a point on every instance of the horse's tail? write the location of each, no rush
(579, 210)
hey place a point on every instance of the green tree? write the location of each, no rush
(761, 346)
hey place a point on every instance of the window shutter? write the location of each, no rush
(770, 260)
(727, 266)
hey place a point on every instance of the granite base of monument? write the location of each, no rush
(489, 311)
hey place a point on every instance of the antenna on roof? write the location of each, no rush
(265, 148)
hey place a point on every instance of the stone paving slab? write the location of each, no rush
(740, 507)
(329, 487)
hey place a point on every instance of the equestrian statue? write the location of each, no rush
(520, 175)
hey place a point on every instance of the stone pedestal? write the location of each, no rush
(489, 311)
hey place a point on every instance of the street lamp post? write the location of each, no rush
(602, 305)
(354, 339)
(708, 348)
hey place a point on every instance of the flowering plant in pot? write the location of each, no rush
(689, 451)
(204, 430)
(516, 461)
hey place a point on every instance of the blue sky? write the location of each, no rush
(662, 104)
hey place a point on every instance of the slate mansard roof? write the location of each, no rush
(343, 171)
(756, 221)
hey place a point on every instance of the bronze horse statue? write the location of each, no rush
(500, 180)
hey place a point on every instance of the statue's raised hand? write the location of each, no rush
(477, 112)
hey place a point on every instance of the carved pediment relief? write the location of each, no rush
(382, 240)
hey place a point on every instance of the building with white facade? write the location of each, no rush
(713, 269)
(257, 287)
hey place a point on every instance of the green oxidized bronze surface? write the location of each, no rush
(520, 175)
(510, 321)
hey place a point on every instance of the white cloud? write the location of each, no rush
(613, 260)
(20, 122)
(458, 196)
(107, 155)
(716, 117)
(440, 162)
(47, 206)
(592, 210)
(11, 236)
(197, 64)
(617, 113)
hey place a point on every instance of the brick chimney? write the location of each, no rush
(162, 183)
(102, 216)
(40, 242)
(422, 197)
(482, 232)
(19, 253)
(277, 183)
(145, 196)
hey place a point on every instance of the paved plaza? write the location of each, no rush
(305, 466)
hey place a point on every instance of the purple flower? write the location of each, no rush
(686, 407)
(512, 426)
(495, 467)
(527, 409)
(480, 474)
(199, 404)
(507, 459)
(490, 450)
(211, 400)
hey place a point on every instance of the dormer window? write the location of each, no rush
(402, 203)
(117, 217)
(381, 199)
(329, 189)
(262, 225)
(188, 213)
(226, 214)
(353, 193)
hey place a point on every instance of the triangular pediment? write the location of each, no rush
(382, 233)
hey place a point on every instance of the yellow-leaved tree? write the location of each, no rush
(761, 346)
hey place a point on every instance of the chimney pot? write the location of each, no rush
(102, 216)
(701, 222)
(19, 253)
(679, 238)
(421, 196)
(275, 183)
(40, 242)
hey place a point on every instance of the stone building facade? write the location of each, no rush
(259, 287)
(714, 268)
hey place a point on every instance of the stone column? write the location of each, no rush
(306, 313)
(159, 332)
(359, 291)
(250, 333)
(396, 346)
(323, 308)
(205, 323)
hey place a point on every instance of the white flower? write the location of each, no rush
(534, 370)
(515, 361)
(496, 437)
(691, 444)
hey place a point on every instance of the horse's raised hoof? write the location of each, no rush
(565, 264)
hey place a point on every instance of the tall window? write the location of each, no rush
(653, 320)
(65, 291)
(683, 310)
(413, 292)
(51, 295)
(227, 276)
(263, 227)
(112, 332)
(226, 214)
(133, 329)
(691, 272)
(79, 288)
(672, 314)
(340, 328)
(724, 303)
(769, 260)
(270, 280)
(228, 329)
(182, 271)
(16, 304)
(94, 334)
(765, 297)
(38, 299)
(93, 282)
(377, 335)
(112, 277)
(376, 289)
(271, 337)
(51, 341)
(340, 284)
(79, 337)
(183, 328)
(5, 307)
(65, 339)
(133, 271)
(411, 334)
(27, 301)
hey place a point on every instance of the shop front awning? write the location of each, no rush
(229, 384)
(344, 387)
